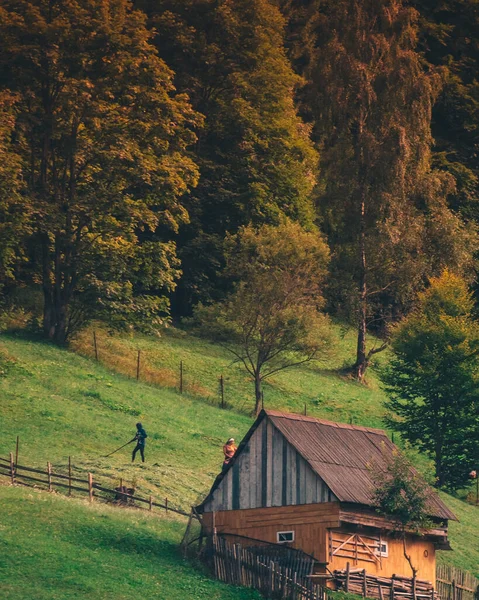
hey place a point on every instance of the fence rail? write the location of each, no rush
(359, 582)
(455, 584)
(52, 479)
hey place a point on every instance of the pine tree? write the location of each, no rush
(433, 379)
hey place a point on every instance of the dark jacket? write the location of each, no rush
(141, 436)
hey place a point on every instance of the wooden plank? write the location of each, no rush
(269, 466)
(276, 467)
(253, 470)
(264, 465)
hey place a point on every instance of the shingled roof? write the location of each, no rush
(340, 454)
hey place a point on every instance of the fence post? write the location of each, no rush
(392, 587)
(49, 473)
(271, 579)
(454, 592)
(166, 504)
(16, 454)
(138, 365)
(347, 576)
(90, 487)
(151, 504)
(222, 391)
(365, 585)
(69, 475)
(95, 344)
(12, 468)
(414, 587)
(181, 376)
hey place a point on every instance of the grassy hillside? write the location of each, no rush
(63, 404)
(54, 548)
(317, 385)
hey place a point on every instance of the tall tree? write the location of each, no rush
(382, 207)
(13, 213)
(433, 379)
(272, 319)
(256, 160)
(103, 140)
(448, 40)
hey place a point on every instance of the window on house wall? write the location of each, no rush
(382, 549)
(285, 536)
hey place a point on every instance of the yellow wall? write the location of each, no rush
(395, 563)
(311, 524)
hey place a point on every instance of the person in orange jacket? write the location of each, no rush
(229, 450)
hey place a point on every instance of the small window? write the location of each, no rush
(382, 549)
(284, 537)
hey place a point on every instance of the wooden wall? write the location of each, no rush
(309, 523)
(268, 472)
(422, 553)
(313, 525)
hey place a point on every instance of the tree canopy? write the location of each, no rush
(256, 159)
(433, 379)
(383, 208)
(101, 138)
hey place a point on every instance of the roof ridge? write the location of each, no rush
(339, 425)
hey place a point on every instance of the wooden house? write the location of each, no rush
(307, 483)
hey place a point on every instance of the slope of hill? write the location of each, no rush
(55, 548)
(62, 404)
(317, 385)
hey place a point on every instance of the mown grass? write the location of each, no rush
(62, 404)
(54, 548)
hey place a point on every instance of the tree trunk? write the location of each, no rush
(361, 357)
(257, 391)
(48, 304)
(408, 557)
(55, 298)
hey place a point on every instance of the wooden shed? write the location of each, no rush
(305, 482)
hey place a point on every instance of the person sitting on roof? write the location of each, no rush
(229, 450)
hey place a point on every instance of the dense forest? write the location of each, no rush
(138, 139)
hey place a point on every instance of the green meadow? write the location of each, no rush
(63, 404)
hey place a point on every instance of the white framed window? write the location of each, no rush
(382, 549)
(284, 537)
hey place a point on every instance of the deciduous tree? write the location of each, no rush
(256, 159)
(103, 139)
(383, 208)
(272, 319)
(402, 496)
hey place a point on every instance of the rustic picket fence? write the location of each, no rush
(455, 584)
(290, 579)
(53, 479)
(359, 582)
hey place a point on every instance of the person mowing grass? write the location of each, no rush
(140, 438)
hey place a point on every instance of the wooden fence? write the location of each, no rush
(358, 581)
(455, 584)
(52, 479)
(249, 567)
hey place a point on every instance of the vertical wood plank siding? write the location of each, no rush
(269, 472)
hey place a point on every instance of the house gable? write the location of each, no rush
(267, 471)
